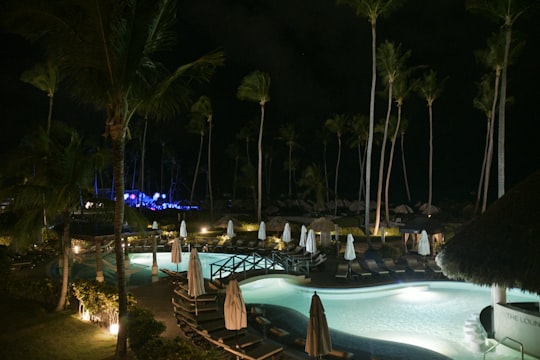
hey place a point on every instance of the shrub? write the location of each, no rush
(142, 328)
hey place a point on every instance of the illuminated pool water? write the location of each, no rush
(426, 314)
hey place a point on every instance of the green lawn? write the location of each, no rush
(30, 332)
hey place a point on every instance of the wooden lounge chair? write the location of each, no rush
(414, 266)
(342, 271)
(372, 266)
(395, 269)
(433, 267)
(359, 270)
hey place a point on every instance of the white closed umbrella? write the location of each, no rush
(311, 243)
(262, 231)
(286, 237)
(234, 308)
(350, 253)
(176, 253)
(318, 342)
(195, 277)
(423, 244)
(183, 229)
(230, 229)
(303, 235)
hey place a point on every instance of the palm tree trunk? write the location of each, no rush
(290, 171)
(66, 247)
(337, 176)
(405, 178)
(389, 169)
(382, 161)
(371, 121)
(259, 168)
(490, 146)
(430, 176)
(118, 149)
(502, 116)
(325, 172)
(143, 156)
(210, 169)
(196, 171)
(483, 169)
(49, 117)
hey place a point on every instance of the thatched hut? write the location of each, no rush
(501, 249)
(325, 226)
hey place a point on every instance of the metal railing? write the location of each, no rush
(502, 341)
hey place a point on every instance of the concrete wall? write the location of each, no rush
(519, 325)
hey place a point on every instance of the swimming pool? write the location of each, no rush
(426, 314)
(430, 315)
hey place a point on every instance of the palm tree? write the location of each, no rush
(371, 9)
(400, 91)
(110, 51)
(203, 106)
(288, 134)
(403, 130)
(506, 12)
(45, 77)
(196, 125)
(359, 136)
(389, 61)
(57, 172)
(337, 125)
(484, 102)
(430, 89)
(255, 87)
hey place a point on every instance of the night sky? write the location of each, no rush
(318, 57)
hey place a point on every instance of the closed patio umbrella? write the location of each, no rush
(195, 277)
(286, 237)
(303, 235)
(176, 253)
(183, 229)
(350, 253)
(318, 342)
(423, 244)
(262, 231)
(311, 243)
(230, 229)
(234, 307)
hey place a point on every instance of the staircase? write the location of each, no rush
(474, 333)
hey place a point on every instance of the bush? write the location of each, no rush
(142, 328)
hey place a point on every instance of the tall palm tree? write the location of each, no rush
(484, 101)
(359, 136)
(492, 57)
(110, 54)
(505, 12)
(430, 89)
(203, 106)
(45, 77)
(57, 172)
(389, 61)
(288, 134)
(371, 9)
(404, 124)
(196, 125)
(401, 90)
(337, 125)
(256, 87)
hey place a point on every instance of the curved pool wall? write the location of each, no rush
(429, 314)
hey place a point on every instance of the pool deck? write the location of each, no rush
(157, 298)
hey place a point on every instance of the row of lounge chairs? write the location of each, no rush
(202, 320)
(387, 268)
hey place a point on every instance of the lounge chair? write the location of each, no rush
(342, 271)
(414, 266)
(359, 270)
(433, 267)
(394, 268)
(372, 266)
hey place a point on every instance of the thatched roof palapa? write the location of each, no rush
(277, 223)
(502, 246)
(322, 224)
